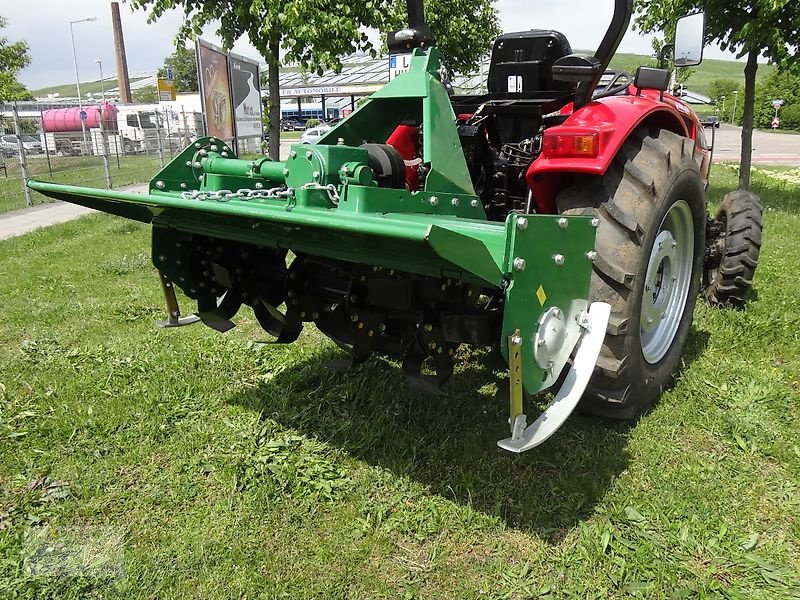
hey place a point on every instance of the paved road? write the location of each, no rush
(768, 148)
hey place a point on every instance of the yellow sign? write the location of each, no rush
(541, 295)
(166, 90)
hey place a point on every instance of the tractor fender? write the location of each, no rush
(615, 119)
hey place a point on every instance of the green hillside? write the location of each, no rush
(68, 89)
(703, 76)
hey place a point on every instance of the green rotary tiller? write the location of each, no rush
(376, 267)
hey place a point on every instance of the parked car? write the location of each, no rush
(10, 144)
(710, 121)
(292, 124)
(311, 136)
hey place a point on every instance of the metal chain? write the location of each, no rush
(249, 194)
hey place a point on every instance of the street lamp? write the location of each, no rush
(77, 78)
(735, 102)
(75, 57)
(102, 86)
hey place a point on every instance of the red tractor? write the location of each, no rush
(560, 218)
(560, 134)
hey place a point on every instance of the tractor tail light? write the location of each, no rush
(583, 144)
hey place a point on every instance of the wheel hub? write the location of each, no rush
(660, 281)
(667, 283)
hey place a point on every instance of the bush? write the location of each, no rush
(312, 123)
(790, 117)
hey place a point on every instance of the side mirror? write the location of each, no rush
(689, 36)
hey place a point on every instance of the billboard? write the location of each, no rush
(246, 94)
(215, 90)
(166, 90)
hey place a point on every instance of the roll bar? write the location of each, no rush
(623, 11)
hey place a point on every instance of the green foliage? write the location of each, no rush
(464, 29)
(768, 28)
(780, 85)
(790, 117)
(145, 95)
(317, 35)
(723, 88)
(183, 63)
(312, 123)
(13, 58)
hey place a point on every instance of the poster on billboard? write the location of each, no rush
(246, 93)
(215, 90)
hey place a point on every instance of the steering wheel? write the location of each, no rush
(614, 87)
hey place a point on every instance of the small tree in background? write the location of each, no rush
(13, 58)
(145, 95)
(753, 28)
(778, 85)
(183, 63)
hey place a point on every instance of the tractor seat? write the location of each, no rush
(521, 67)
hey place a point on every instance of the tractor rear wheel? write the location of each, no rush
(733, 257)
(651, 213)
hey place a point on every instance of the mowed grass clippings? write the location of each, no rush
(232, 469)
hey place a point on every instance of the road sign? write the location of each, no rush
(398, 63)
(169, 74)
(776, 122)
(82, 115)
(776, 104)
(166, 90)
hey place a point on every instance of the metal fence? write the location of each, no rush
(129, 152)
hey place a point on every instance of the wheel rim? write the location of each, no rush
(669, 277)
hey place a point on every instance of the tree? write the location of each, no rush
(778, 85)
(183, 63)
(790, 117)
(722, 88)
(13, 58)
(315, 34)
(751, 28)
(145, 95)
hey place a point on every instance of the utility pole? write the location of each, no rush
(84, 149)
(122, 61)
(102, 85)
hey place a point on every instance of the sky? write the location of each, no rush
(44, 24)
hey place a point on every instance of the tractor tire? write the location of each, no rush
(737, 249)
(651, 220)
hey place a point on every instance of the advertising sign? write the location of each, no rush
(246, 93)
(166, 90)
(215, 90)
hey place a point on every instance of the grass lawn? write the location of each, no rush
(79, 170)
(213, 466)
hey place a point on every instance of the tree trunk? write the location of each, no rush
(274, 102)
(747, 122)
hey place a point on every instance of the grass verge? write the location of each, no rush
(220, 467)
(83, 170)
